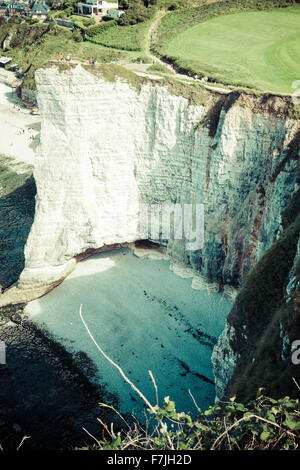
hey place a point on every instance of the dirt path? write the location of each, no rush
(151, 31)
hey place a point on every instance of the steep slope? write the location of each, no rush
(110, 145)
(17, 191)
(255, 349)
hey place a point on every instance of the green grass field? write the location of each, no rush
(259, 49)
(130, 38)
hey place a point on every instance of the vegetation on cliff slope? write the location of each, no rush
(261, 312)
(130, 38)
(33, 45)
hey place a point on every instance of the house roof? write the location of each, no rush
(40, 8)
(12, 4)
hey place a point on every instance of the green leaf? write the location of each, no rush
(265, 435)
(292, 425)
(174, 415)
(189, 421)
(114, 445)
(271, 417)
(259, 392)
(230, 408)
(240, 407)
(170, 407)
(201, 426)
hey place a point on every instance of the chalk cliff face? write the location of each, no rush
(255, 349)
(108, 147)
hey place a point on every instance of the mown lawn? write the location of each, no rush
(255, 48)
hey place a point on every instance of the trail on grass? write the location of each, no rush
(151, 31)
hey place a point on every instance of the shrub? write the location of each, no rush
(158, 68)
(77, 36)
(136, 13)
(107, 18)
(263, 424)
(144, 59)
(99, 28)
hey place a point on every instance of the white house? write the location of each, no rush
(95, 7)
(40, 10)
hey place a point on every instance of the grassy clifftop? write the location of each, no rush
(247, 43)
(173, 31)
(33, 45)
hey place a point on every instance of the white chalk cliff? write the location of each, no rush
(107, 147)
(110, 145)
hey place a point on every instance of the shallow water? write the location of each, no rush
(144, 317)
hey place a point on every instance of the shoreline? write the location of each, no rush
(15, 295)
(68, 381)
(19, 127)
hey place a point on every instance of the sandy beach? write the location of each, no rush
(20, 129)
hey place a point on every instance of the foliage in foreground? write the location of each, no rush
(263, 424)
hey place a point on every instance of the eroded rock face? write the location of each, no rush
(224, 360)
(106, 148)
(17, 192)
(256, 346)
